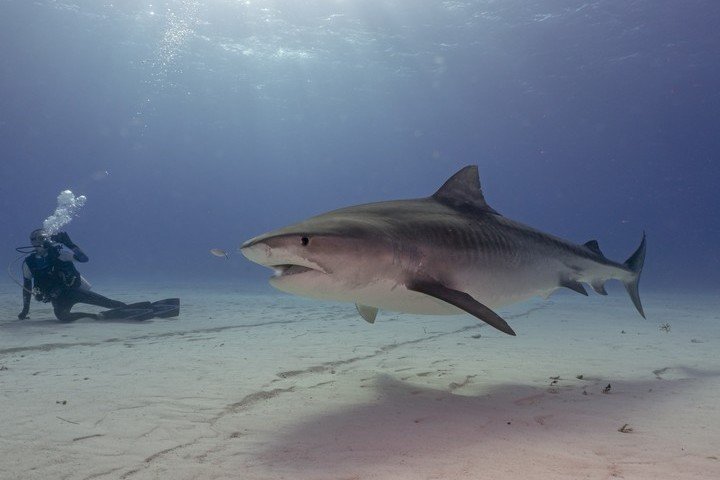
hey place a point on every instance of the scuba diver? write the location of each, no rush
(56, 280)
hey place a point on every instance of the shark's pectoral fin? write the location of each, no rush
(368, 313)
(463, 301)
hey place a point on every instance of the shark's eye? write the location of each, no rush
(305, 241)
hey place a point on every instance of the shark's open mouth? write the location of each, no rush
(290, 269)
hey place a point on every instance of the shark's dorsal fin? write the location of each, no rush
(462, 190)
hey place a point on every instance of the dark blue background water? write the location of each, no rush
(219, 120)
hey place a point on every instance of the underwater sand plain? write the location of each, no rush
(269, 386)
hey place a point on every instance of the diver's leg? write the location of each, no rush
(62, 306)
(92, 298)
(71, 317)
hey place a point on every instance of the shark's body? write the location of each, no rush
(443, 254)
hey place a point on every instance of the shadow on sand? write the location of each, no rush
(417, 429)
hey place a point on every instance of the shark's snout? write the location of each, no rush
(274, 252)
(253, 241)
(257, 251)
(246, 244)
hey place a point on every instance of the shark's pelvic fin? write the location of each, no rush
(635, 264)
(463, 301)
(574, 285)
(367, 313)
(462, 191)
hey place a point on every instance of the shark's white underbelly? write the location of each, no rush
(493, 289)
(494, 283)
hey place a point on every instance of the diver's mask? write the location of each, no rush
(40, 239)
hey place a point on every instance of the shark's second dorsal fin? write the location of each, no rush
(462, 190)
(594, 247)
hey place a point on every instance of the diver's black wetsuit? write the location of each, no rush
(58, 281)
(69, 297)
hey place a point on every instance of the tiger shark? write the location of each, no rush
(450, 253)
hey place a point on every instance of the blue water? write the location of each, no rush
(192, 125)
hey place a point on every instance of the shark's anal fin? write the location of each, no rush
(599, 287)
(463, 301)
(574, 285)
(367, 313)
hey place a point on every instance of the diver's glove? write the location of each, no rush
(64, 238)
(24, 314)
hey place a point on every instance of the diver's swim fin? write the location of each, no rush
(136, 313)
(170, 307)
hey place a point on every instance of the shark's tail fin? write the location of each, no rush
(635, 264)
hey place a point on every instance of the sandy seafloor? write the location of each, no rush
(270, 386)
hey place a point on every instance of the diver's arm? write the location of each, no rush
(27, 292)
(78, 254)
